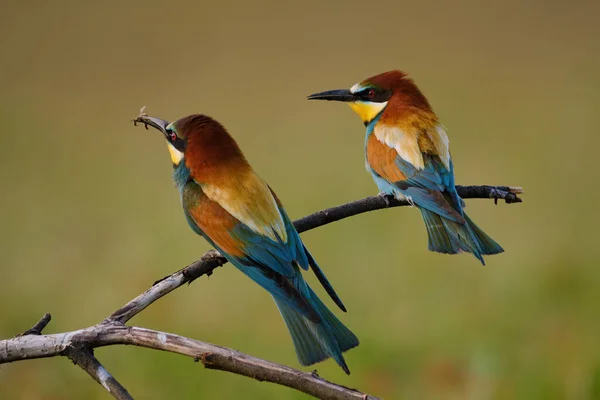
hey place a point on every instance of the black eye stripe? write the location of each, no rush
(374, 94)
(179, 144)
(175, 140)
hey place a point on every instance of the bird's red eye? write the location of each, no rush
(173, 136)
(371, 93)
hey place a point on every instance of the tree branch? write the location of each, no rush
(78, 345)
(372, 203)
(212, 259)
(212, 356)
(83, 356)
(38, 327)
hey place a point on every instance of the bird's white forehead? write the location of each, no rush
(357, 87)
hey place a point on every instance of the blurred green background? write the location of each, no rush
(90, 217)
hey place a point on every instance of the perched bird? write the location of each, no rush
(229, 205)
(407, 153)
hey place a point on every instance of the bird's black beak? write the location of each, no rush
(157, 123)
(334, 95)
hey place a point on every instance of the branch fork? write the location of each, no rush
(78, 345)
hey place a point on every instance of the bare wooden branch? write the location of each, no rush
(212, 259)
(372, 203)
(204, 266)
(78, 345)
(212, 356)
(83, 356)
(38, 327)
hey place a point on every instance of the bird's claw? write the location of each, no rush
(507, 196)
(385, 197)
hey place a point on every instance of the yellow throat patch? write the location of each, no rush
(176, 155)
(367, 110)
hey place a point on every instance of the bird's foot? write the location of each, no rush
(386, 198)
(407, 199)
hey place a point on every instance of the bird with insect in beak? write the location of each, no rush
(407, 153)
(229, 205)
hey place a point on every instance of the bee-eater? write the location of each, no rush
(229, 205)
(407, 153)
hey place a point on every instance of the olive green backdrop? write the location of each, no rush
(90, 218)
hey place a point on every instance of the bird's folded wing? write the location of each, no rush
(244, 222)
(248, 198)
(430, 187)
(267, 262)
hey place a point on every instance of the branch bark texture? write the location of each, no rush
(75, 345)
(81, 354)
(78, 345)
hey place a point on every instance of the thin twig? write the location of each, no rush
(83, 356)
(204, 266)
(38, 327)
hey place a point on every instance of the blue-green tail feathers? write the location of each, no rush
(487, 244)
(317, 341)
(324, 281)
(451, 237)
